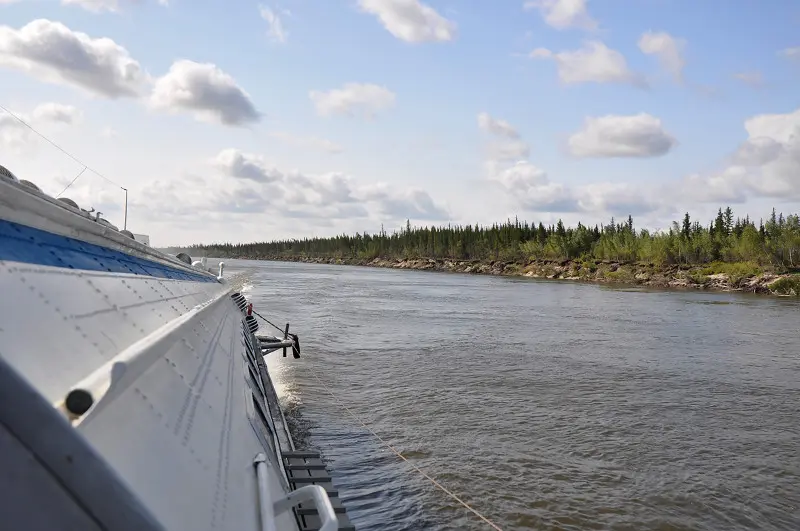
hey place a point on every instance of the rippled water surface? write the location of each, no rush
(545, 405)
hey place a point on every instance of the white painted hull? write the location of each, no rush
(87, 316)
(161, 350)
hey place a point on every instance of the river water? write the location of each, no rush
(542, 404)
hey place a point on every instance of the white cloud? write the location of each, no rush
(326, 189)
(95, 6)
(352, 99)
(767, 164)
(275, 27)
(242, 200)
(519, 176)
(527, 184)
(781, 128)
(639, 135)
(514, 150)
(54, 53)
(776, 167)
(239, 186)
(324, 214)
(753, 79)
(333, 187)
(791, 53)
(98, 6)
(182, 197)
(332, 195)
(757, 151)
(412, 203)
(708, 92)
(496, 126)
(206, 92)
(726, 187)
(563, 14)
(410, 20)
(530, 187)
(56, 112)
(14, 134)
(541, 53)
(667, 49)
(312, 142)
(510, 147)
(614, 198)
(593, 63)
(246, 166)
(302, 195)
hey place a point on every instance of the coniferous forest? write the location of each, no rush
(773, 242)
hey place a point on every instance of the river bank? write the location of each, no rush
(718, 276)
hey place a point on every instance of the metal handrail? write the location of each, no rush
(321, 500)
(310, 493)
(267, 509)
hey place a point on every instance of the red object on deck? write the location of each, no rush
(250, 309)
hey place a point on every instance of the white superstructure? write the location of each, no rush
(143, 238)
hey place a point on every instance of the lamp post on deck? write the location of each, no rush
(125, 218)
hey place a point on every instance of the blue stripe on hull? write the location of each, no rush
(20, 243)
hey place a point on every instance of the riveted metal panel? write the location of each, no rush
(186, 446)
(89, 316)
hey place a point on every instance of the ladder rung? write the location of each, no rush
(301, 453)
(309, 511)
(310, 479)
(307, 466)
(329, 490)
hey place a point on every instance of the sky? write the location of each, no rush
(243, 121)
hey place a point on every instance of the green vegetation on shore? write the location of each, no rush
(738, 248)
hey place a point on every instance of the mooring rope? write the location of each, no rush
(62, 150)
(398, 454)
(276, 327)
(392, 448)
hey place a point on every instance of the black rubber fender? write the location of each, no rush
(296, 347)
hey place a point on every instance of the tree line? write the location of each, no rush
(774, 242)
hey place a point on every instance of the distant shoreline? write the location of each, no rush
(722, 277)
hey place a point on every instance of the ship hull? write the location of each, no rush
(174, 426)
